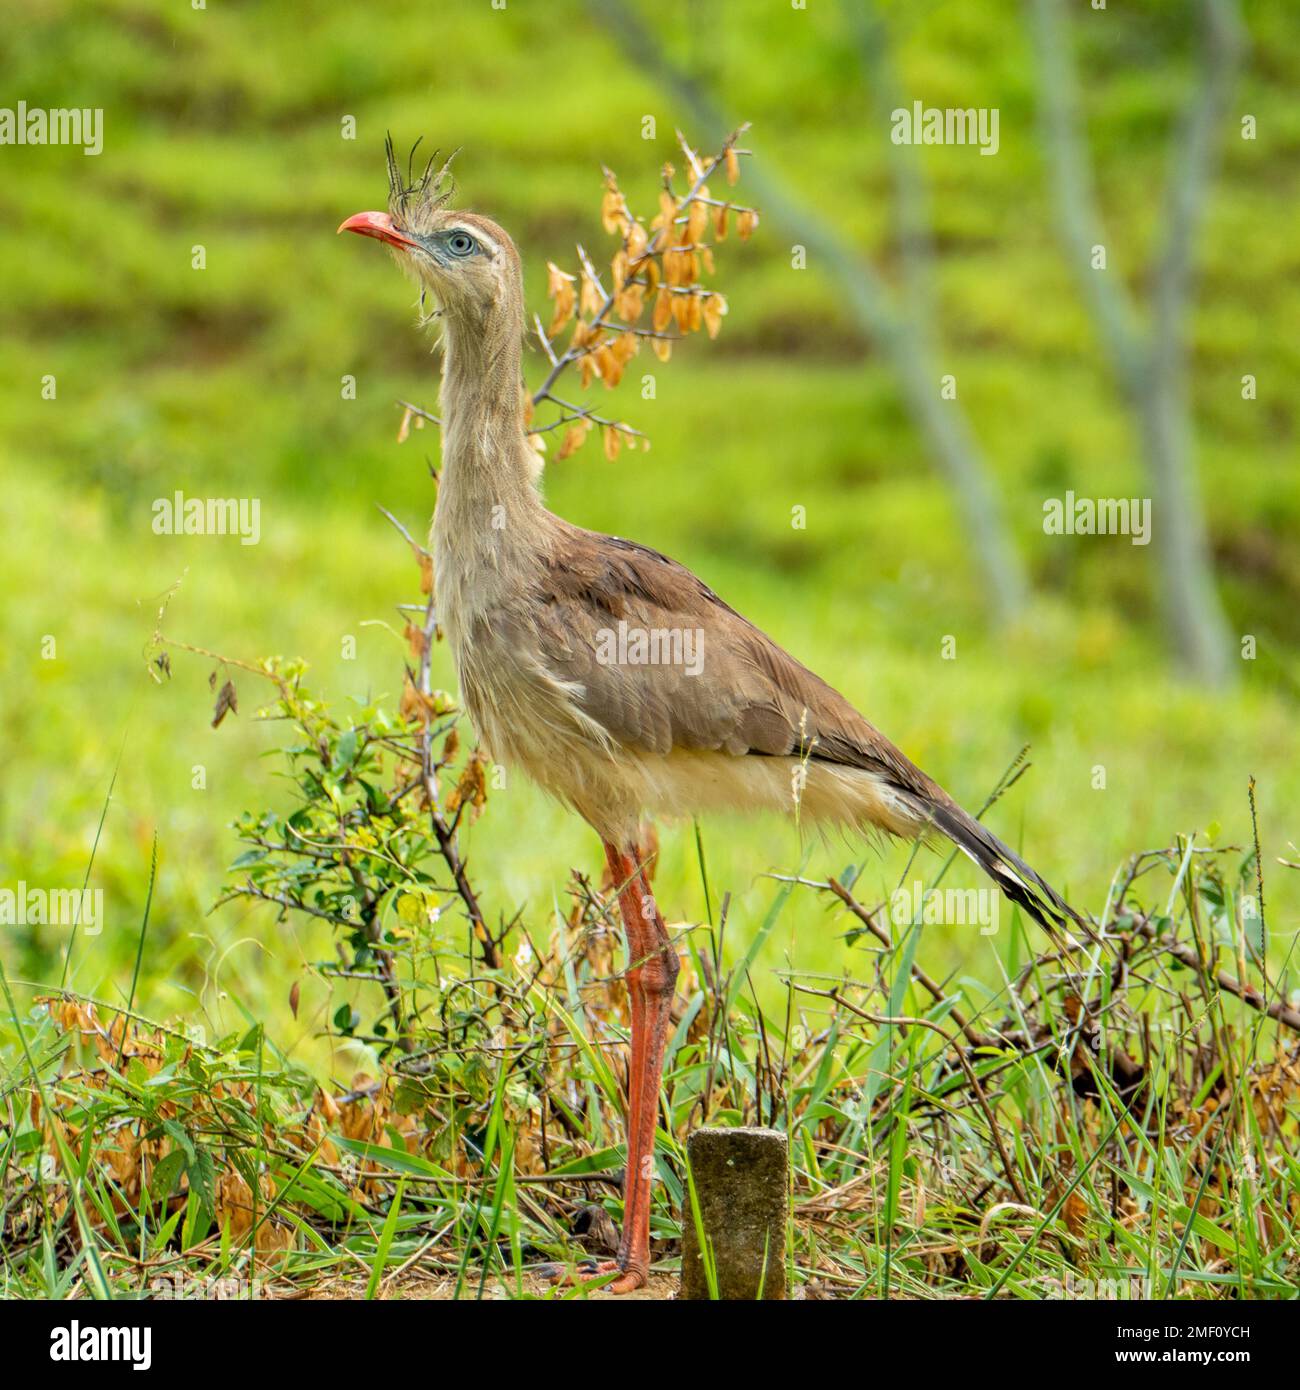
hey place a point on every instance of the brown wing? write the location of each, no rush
(747, 696)
(734, 689)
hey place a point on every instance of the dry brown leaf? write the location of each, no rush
(618, 270)
(574, 438)
(560, 288)
(714, 309)
(590, 299)
(631, 302)
(613, 209)
(227, 703)
(471, 789)
(1075, 1212)
(416, 706)
(414, 641)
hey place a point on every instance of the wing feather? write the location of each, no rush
(743, 694)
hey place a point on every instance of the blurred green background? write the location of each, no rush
(224, 127)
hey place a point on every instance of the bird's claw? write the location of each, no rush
(590, 1270)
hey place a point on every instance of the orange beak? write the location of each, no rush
(378, 225)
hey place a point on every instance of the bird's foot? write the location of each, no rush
(590, 1271)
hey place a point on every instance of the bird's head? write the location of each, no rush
(465, 261)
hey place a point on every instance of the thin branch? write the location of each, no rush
(417, 410)
(865, 294)
(934, 990)
(1276, 1009)
(896, 1021)
(570, 356)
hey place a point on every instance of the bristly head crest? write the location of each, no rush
(413, 201)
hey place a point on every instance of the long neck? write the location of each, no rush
(487, 494)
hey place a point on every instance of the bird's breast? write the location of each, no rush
(521, 712)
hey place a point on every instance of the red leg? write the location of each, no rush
(651, 977)
(625, 873)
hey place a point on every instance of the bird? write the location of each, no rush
(550, 626)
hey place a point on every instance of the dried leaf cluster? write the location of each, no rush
(653, 291)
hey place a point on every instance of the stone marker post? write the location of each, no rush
(742, 1189)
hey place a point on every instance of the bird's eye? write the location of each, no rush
(461, 244)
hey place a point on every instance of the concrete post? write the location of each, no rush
(742, 1189)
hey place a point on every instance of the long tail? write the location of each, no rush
(1017, 881)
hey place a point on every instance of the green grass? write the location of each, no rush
(223, 129)
(937, 1146)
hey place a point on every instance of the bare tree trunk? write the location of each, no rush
(905, 334)
(1151, 365)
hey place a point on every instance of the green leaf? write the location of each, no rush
(345, 751)
(397, 1159)
(166, 1174)
(202, 1172)
(386, 1240)
(178, 1135)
